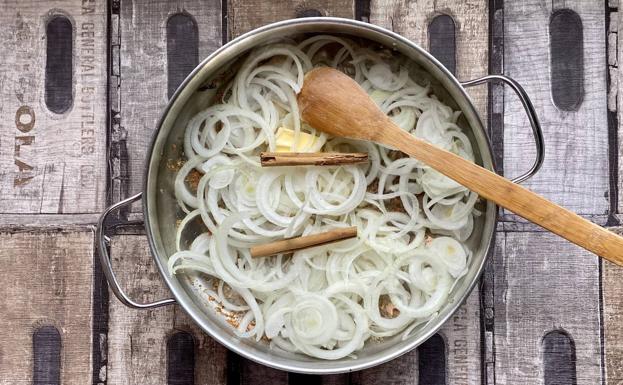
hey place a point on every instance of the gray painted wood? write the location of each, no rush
(402, 370)
(46, 281)
(66, 221)
(512, 223)
(52, 163)
(143, 89)
(245, 15)
(613, 129)
(462, 335)
(543, 283)
(534, 271)
(412, 19)
(137, 339)
(575, 171)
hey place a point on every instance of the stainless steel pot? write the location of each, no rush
(160, 208)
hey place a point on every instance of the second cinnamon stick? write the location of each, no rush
(299, 243)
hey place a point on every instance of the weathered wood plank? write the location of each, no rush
(16, 221)
(616, 79)
(412, 19)
(543, 284)
(47, 283)
(52, 162)
(143, 75)
(613, 320)
(531, 289)
(575, 171)
(137, 339)
(402, 370)
(245, 15)
(252, 373)
(462, 337)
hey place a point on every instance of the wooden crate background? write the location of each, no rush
(73, 142)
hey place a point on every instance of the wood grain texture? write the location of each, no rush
(245, 15)
(137, 339)
(616, 78)
(543, 283)
(143, 73)
(402, 370)
(49, 162)
(613, 320)
(252, 373)
(411, 19)
(463, 343)
(575, 171)
(47, 281)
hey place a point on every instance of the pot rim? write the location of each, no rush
(181, 296)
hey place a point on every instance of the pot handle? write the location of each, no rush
(532, 117)
(101, 242)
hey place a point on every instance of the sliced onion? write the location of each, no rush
(412, 222)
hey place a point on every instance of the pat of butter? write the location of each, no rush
(285, 138)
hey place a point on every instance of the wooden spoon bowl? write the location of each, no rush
(334, 103)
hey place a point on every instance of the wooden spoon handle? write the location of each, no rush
(511, 196)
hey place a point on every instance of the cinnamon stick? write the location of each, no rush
(273, 159)
(298, 243)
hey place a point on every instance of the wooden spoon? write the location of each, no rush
(334, 103)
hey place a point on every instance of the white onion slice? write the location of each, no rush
(412, 221)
